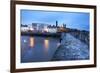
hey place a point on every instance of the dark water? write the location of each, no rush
(38, 49)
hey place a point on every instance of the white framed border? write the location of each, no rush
(20, 65)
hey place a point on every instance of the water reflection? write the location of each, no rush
(37, 48)
(46, 44)
(31, 42)
(24, 41)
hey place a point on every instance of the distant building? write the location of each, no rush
(38, 26)
(56, 23)
(24, 28)
(34, 26)
(52, 29)
(41, 27)
(64, 25)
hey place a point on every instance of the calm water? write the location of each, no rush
(38, 49)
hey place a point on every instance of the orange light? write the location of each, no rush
(32, 42)
(46, 45)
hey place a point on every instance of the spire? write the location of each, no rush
(56, 23)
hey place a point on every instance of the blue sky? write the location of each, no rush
(71, 19)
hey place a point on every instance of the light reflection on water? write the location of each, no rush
(32, 42)
(46, 45)
(38, 49)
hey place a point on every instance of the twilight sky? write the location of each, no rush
(71, 19)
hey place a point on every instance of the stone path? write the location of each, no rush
(71, 48)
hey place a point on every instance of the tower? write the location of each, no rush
(56, 23)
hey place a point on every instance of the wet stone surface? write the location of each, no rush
(71, 48)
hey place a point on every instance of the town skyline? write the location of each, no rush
(71, 19)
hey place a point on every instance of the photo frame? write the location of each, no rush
(70, 28)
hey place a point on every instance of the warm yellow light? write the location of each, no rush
(31, 41)
(46, 45)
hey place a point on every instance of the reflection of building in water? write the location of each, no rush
(31, 42)
(46, 44)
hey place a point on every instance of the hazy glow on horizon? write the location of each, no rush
(71, 19)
